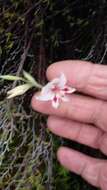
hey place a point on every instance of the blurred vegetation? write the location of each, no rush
(33, 34)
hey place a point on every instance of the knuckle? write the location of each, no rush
(87, 77)
(103, 143)
(100, 116)
(69, 111)
(90, 173)
(96, 112)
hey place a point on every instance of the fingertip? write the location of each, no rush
(34, 101)
(50, 122)
(55, 68)
(54, 121)
(38, 105)
(61, 154)
(66, 65)
(49, 71)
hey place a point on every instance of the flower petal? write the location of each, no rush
(45, 97)
(55, 81)
(55, 102)
(47, 88)
(62, 80)
(68, 90)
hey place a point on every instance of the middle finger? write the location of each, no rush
(79, 108)
(79, 132)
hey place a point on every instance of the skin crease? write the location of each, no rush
(82, 119)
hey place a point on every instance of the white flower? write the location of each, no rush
(19, 90)
(56, 91)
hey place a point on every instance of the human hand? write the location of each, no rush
(82, 119)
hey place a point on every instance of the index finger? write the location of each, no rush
(86, 77)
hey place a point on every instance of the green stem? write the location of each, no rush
(38, 85)
(35, 84)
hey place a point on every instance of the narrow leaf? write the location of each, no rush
(10, 77)
(31, 79)
(19, 90)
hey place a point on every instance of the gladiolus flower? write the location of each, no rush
(56, 91)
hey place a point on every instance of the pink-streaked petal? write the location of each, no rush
(68, 90)
(55, 102)
(45, 97)
(62, 80)
(47, 88)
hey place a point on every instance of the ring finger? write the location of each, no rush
(82, 133)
